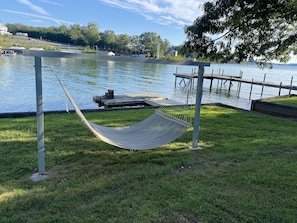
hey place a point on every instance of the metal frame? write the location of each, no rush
(39, 54)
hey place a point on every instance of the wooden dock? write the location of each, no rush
(188, 80)
(133, 100)
(192, 76)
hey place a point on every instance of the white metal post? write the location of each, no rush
(40, 122)
(197, 109)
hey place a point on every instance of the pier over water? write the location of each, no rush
(187, 79)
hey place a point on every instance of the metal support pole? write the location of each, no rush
(197, 109)
(40, 122)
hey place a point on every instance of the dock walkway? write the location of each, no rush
(192, 76)
(134, 100)
(188, 79)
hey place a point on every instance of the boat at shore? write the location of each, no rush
(11, 51)
(8, 53)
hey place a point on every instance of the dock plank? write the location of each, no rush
(134, 100)
(161, 102)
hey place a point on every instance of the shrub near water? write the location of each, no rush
(245, 173)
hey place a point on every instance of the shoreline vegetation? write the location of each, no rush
(246, 171)
(10, 41)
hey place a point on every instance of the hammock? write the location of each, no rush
(154, 131)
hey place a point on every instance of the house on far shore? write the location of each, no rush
(4, 30)
(172, 52)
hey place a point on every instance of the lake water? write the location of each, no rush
(87, 78)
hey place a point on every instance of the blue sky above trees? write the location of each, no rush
(165, 17)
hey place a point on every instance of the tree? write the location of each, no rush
(77, 36)
(122, 42)
(151, 41)
(136, 45)
(244, 30)
(165, 46)
(89, 36)
(108, 40)
(63, 34)
(91, 33)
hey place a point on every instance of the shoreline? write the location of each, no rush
(31, 114)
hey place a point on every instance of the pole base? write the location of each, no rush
(38, 177)
(195, 148)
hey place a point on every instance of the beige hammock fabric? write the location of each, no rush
(156, 130)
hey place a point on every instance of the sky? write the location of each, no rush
(133, 17)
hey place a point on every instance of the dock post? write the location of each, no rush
(211, 80)
(222, 79)
(230, 84)
(175, 77)
(175, 82)
(280, 88)
(210, 87)
(251, 89)
(239, 85)
(291, 83)
(217, 84)
(192, 79)
(263, 84)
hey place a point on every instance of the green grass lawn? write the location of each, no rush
(247, 171)
(289, 101)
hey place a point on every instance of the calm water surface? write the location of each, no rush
(87, 78)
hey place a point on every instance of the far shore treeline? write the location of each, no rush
(89, 37)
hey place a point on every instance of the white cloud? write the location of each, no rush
(36, 20)
(51, 2)
(58, 21)
(40, 13)
(178, 12)
(33, 7)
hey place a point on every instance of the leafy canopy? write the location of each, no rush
(242, 30)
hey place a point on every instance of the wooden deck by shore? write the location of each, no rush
(111, 101)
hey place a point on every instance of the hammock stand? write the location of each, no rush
(39, 54)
